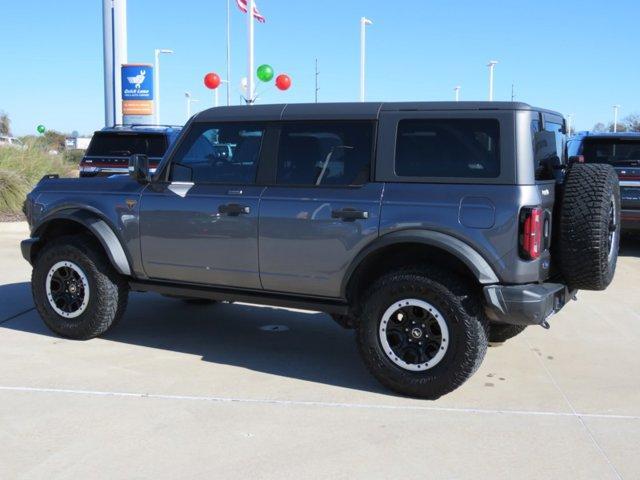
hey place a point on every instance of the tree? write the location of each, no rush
(599, 127)
(621, 127)
(5, 124)
(632, 122)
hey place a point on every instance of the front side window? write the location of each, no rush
(461, 148)
(226, 153)
(325, 153)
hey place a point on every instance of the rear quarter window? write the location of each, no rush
(457, 148)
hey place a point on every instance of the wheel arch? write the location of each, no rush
(82, 219)
(424, 245)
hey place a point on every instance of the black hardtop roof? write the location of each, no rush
(620, 135)
(347, 111)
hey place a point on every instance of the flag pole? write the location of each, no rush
(228, 54)
(250, 8)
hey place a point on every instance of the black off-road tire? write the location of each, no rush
(589, 226)
(108, 289)
(501, 332)
(460, 306)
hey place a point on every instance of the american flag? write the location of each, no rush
(242, 5)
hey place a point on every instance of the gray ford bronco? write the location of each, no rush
(429, 228)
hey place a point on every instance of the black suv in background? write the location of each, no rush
(622, 151)
(111, 147)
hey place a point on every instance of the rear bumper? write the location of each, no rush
(528, 304)
(630, 219)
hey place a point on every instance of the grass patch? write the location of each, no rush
(20, 170)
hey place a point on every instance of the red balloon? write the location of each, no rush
(212, 80)
(283, 82)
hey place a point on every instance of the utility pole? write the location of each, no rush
(615, 118)
(114, 38)
(513, 96)
(317, 73)
(363, 23)
(491, 65)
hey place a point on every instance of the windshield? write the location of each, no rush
(127, 144)
(621, 152)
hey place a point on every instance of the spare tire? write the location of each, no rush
(589, 226)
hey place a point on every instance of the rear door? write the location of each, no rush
(321, 208)
(199, 224)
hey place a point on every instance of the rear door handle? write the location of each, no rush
(234, 209)
(350, 214)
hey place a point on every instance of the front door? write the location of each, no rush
(322, 210)
(201, 224)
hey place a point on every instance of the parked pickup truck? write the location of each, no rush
(429, 228)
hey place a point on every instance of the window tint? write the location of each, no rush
(336, 153)
(465, 148)
(618, 152)
(127, 144)
(218, 154)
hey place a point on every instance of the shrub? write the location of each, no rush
(20, 170)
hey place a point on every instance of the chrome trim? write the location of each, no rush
(630, 183)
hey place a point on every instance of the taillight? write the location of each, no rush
(531, 223)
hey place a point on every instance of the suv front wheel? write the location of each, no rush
(422, 332)
(76, 289)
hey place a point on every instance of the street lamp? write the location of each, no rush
(189, 100)
(156, 78)
(457, 90)
(615, 118)
(491, 64)
(363, 23)
(569, 123)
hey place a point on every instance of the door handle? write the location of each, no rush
(234, 209)
(349, 214)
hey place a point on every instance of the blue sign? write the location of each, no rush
(137, 82)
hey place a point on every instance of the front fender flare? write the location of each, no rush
(476, 263)
(100, 228)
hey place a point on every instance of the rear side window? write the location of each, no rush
(548, 148)
(462, 148)
(226, 153)
(325, 153)
(127, 144)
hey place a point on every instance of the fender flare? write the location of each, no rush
(475, 262)
(99, 228)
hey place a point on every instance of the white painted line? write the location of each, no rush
(266, 401)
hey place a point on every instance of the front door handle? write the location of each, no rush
(234, 209)
(350, 214)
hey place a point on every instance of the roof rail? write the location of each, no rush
(143, 125)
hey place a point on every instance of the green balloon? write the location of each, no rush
(265, 73)
(40, 128)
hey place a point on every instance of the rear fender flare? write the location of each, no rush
(474, 261)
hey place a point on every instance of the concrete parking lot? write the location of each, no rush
(186, 391)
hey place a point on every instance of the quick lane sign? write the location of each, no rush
(137, 89)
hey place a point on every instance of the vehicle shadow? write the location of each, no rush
(630, 245)
(312, 348)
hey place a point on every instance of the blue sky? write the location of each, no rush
(578, 57)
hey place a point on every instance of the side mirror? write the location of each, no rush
(139, 168)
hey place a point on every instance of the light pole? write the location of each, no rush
(491, 65)
(216, 98)
(457, 90)
(189, 100)
(363, 23)
(156, 78)
(569, 123)
(615, 118)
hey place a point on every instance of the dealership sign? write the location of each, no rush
(137, 91)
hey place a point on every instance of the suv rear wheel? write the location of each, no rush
(422, 332)
(76, 289)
